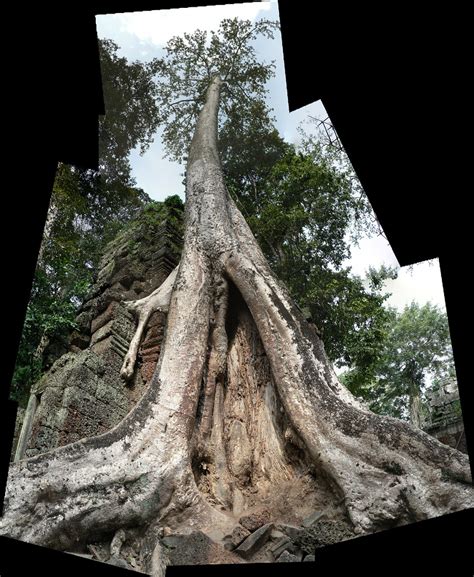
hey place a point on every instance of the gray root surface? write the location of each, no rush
(243, 401)
(158, 300)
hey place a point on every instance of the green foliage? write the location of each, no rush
(81, 221)
(249, 149)
(190, 63)
(416, 355)
(131, 112)
(352, 316)
(303, 207)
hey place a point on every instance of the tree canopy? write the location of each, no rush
(187, 68)
(416, 355)
(305, 206)
(132, 113)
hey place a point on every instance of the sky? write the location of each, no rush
(142, 35)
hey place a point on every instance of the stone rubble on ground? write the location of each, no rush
(196, 548)
(287, 557)
(313, 518)
(233, 540)
(254, 541)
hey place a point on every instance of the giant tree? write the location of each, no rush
(239, 368)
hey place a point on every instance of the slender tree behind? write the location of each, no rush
(416, 353)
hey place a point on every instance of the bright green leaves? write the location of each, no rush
(302, 208)
(189, 64)
(416, 353)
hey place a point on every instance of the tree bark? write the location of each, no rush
(243, 399)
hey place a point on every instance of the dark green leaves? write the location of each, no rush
(87, 209)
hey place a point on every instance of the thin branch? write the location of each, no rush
(244, 93)
(232, 60)
(181, 101)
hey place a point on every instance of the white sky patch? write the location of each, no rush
(420, 283)
(375, 252)
(161, 25)
(156, 175)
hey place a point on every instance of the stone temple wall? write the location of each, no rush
(82, 394)
(445, 421)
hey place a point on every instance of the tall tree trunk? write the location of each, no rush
(48, 227)
(240, 368)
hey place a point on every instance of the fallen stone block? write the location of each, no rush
(196, 549)
(290, 530)
(280, 546)
(118, 562)
(255, 520)
(322, 533)
(254, 541)
(276, 534)
(233, 540)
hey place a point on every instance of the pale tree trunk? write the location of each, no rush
(207, 428)
(26, 427)
(415, 404)
(32, 406)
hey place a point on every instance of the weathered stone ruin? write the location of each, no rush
(445, 420)
(82, 394)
